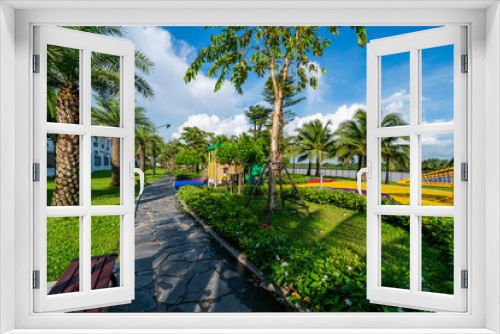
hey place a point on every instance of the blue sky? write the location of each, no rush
(341, 90)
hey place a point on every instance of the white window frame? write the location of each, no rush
(484, 49)
(413, 43)
(86, 43)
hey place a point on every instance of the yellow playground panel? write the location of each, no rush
(443, 178)
(399, 193)
(219, 173)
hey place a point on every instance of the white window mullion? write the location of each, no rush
(415, 256)
(85, 170)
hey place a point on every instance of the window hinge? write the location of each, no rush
(465, 64)
(36, 279)
(36, 63)
(465, 279)
(464, 173)
(36, 172)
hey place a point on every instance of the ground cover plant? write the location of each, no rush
(63, 233)
(185, 174)
(321, 259)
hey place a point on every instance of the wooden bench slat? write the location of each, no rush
(65, 278)
(101, 275)
(96, 270)
(106, 272)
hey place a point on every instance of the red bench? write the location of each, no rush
(102, 275)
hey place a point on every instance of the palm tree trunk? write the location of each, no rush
(115, 162)
(66, 191)
(142, 156)
(318, 164)
(309, 168)
(387, 170)
(360, 161)
(172, 166)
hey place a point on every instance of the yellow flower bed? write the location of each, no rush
(399, 193)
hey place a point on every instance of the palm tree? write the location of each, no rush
(173, 147)
(196, 139)
(351, 137)
(107, 112)
(63, 80)
(397, 151)
(314, 140)
(143, 134)
(154, 142)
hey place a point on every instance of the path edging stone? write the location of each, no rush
(240, 258)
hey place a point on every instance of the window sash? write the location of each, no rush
(414, 298)
(86, 43)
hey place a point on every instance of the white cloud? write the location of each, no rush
(228, 126)
(341, 114)
(398, 102)
(175, 101)
(437, 146)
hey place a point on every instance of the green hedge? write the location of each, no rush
(297, 179)
(182, 174)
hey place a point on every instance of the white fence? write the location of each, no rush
(393, 176)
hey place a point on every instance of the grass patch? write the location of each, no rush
(63, 233)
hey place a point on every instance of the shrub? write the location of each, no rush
(181, 174)
(319, 278)
(297, 179)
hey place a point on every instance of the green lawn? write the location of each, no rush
(344, 230)
(63, 233)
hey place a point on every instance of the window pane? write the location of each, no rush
(437, 84)
(63, 85)
(438, 175)
(395, 90)
(395, 170)
(105, 177)
(63, 170)
(105, 90)
(395, 231)
(63, 252)
(437, 254)
(105, 248)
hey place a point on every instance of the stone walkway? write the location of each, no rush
(180, 268)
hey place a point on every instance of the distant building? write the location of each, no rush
(101, 155)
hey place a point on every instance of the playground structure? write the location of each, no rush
(228, 174)
(442, 178)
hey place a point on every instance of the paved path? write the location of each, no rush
(179, 268)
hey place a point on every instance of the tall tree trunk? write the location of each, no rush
(172, 166)
(275, 131)
(360, 161)
(142, 156)
(309, 166)
(67, 148)
(115, 162)
(241, 179)
(387, 170)
(318, 165)
(153, 159)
